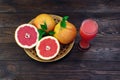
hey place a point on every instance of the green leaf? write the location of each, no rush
(51, 33)
(63, 22)
(66, 18)
(41, 33)
(44, 27)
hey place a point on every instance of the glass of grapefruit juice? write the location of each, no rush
(88, 31)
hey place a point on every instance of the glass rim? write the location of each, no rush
(81, 28)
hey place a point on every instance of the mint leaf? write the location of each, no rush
(51, 33)
(63, 22)
(66, 18)
(44, 27)
(41, 33)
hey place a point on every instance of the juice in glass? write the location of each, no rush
(88, 31)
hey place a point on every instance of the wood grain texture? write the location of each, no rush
(100, 62)
(60, 5)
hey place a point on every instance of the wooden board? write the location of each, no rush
(100, 62)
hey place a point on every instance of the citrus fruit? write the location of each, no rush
(26, 36)
(44, 18)
(47, 48)
(65, 35)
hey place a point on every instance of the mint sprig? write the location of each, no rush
(44, 26)
(63, 22)
(42, 32)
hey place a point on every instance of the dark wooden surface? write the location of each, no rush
(100, 62)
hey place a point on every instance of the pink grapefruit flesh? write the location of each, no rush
(47, 48)
(26, 36)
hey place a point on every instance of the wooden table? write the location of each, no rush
(100, 62)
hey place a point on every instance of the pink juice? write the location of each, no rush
(88, 31)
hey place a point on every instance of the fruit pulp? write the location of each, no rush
(26, 35)
(48, 47)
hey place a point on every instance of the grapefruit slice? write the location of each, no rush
(26, 36)
(47, 48)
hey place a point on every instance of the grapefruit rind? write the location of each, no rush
(50, 57)
(16, 36)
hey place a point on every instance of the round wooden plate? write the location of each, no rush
(64, 49)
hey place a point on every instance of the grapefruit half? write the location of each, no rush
(26, 36)
(47, 48)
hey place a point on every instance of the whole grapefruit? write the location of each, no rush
(26, 36)
(47, 48)
(65, 35)
(44, 18)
